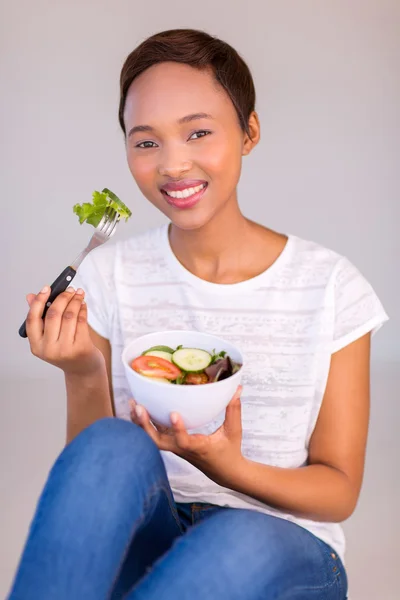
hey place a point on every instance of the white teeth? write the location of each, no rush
(187, 192)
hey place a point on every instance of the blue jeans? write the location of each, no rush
(107, 528)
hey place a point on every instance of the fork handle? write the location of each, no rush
(57, 287)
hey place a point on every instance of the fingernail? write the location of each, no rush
(45, 289)
(70, 289)
(174, 418)
(139, 411)
(79, 291)
(132, 405)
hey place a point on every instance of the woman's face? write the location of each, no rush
(184, 143)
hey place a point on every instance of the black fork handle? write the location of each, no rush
(57, 287)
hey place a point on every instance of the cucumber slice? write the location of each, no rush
(191, 360)
(158, 349)
(160, 354)
(119, 206)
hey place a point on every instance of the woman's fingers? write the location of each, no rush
(162, 428)
(132, 405)
(162, 440)
(69, 318)
(82, 330)
(30, 298)
(142, 419)
(54, 316)
(175, 439)
(34, 321)
(233, 415)
(183, 439)
(135, 419)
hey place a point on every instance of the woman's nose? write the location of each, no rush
(174, 165)
(175, 170)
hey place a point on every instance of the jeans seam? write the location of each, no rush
(333, 560)
(317, 588)
(337, 579)
(138, 523)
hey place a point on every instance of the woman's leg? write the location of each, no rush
(107, 489)
(245, 555)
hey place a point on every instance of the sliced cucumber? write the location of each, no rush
(191, 360)
(160, 354)
(158, 349)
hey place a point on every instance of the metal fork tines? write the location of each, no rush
(104, 230)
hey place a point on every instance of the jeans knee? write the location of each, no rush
(113, 432)
(239, 520)
(108, 445)
(253, 529)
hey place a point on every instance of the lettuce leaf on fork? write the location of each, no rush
(93, 212)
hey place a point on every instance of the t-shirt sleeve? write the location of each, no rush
(358, 310)
(95, 277)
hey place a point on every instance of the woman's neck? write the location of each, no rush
(228, 249)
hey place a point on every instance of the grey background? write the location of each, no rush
(327, 168)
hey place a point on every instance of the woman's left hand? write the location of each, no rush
(219, 455)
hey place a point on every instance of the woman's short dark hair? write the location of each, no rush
(201, 51)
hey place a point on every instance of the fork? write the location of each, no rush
(105, 229)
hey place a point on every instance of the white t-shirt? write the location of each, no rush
(287, 321)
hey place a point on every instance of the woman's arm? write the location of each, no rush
(90, 398)
(63, 339)
(328, 488)
(105, 348)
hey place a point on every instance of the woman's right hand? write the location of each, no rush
(63, 337)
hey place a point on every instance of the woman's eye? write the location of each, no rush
(146, 144)
(199, 134)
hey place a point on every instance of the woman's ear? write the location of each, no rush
(250, 141)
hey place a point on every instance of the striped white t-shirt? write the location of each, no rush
(287, 321)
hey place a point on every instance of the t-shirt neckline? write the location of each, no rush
(223, 288)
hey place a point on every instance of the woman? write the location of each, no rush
(251, 508)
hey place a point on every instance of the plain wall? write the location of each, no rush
(327, 168)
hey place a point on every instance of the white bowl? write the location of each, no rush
(197, 404)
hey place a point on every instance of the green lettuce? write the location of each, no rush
(93, 212)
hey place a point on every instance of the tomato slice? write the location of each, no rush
(153, 366)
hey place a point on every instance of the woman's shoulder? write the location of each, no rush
(357, 307)
(352, 292)
(314, 261)
(314, 265)
(308, 250)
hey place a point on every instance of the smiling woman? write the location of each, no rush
(266, 483)
(173, 149)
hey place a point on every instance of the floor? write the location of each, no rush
(32, 433)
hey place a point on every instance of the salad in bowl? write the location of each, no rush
(195, 374)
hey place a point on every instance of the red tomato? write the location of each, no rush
(153, 366)
(196, 378)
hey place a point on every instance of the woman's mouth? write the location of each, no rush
(182, 194)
